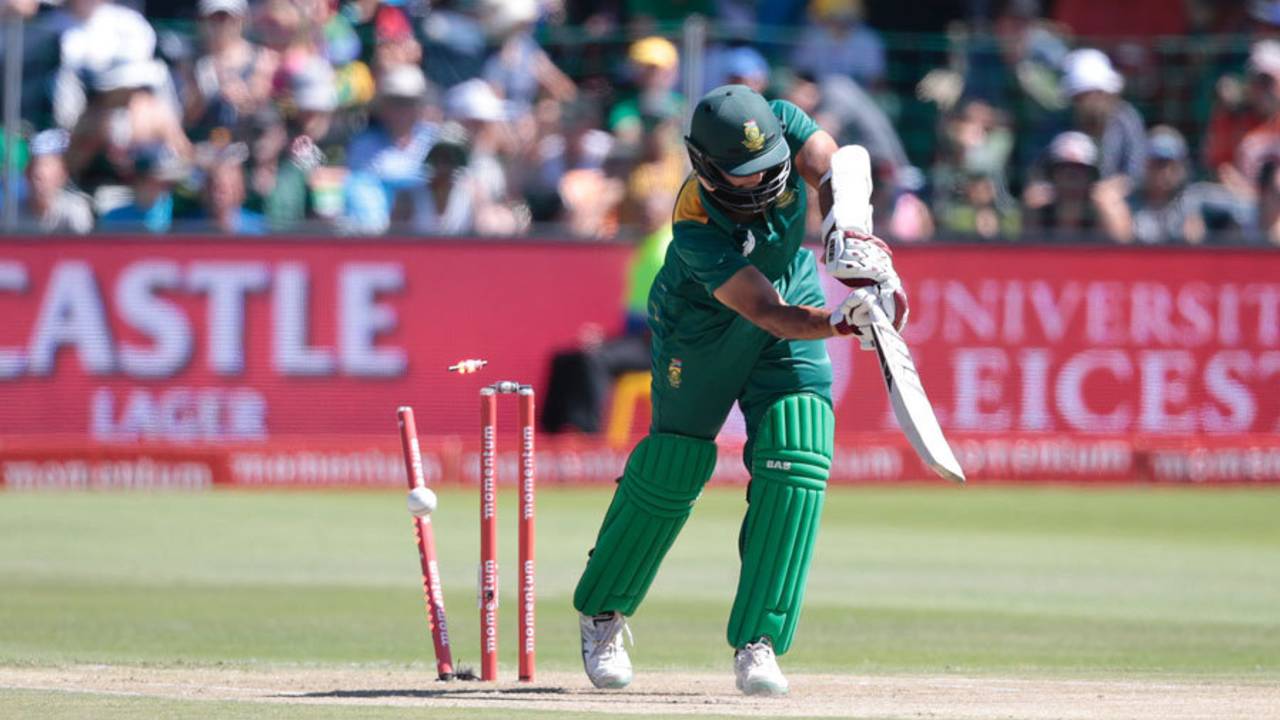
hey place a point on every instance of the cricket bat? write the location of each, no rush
(910, 404)
(851, 209)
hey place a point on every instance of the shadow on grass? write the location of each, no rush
(474, 692)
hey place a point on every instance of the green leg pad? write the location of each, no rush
(789, 469)
(663, 477)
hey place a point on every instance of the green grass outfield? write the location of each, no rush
(1058, 582)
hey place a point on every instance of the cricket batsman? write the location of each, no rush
(737, 316)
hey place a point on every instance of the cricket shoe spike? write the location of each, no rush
(757, 669)
(603, 655)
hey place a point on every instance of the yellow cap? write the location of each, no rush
(654, 51)
(836, 9)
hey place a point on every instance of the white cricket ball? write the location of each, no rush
(422, 502)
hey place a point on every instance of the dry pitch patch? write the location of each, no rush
(670, 693)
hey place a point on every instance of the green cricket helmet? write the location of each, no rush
(734, 132)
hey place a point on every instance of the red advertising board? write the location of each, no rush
(228, 341)
(1042, 362)
(1151, 341)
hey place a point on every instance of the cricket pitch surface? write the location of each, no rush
(675, 693)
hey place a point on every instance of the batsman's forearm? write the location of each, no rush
(795, 322)
(813, 162)
(750, 294)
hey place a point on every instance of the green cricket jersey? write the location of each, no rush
(705, 355)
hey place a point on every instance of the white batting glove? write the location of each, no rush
(859, 259)
(854, 315)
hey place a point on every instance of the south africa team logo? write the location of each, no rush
(754, 139)
(673, 372)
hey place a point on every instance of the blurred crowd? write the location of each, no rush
(1045, 119)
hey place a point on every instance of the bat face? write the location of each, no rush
(885, 370)
(910, 403)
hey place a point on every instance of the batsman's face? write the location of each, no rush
(741, 181)
(744, 181)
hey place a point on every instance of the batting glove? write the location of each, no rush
(854, 315)
(858, 259)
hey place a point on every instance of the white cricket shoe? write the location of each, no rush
(603, 656)
(757, 669)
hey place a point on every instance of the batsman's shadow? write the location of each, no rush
(477, 693)
(467, 692)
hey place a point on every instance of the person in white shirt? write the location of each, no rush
(99, 35)
(232, 80)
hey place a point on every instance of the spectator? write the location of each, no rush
(519, 68)
(303, 32)
(572, 163)
(1241, 109)
(1016, 66)
(853, 116)
(1014, 69)
(475, 106)
(976, 139)
(1261, 141)
(660, 167)
(1073, 206)
(267, 138)
(1167, 210)
(454, 46)
(594, 198)
(565, 138)
(42, 24)
(1268, 193)
(124, 114)
(899, 212)
(743, 65)
(653, 64)
(387, 160)
(310, 175)
(736, 64)
(839, 43)
(363, 16)
(99, 35)
(393, 40)
(233, 79)
(280, 26)
(453, 201)
(314, 99)
(52, 206)
(970, 195)
(1094, 87)
(804, 92)
(157, 169)
(224, 191)
(340, 46)
(978, 207)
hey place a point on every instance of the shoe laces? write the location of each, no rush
(757, 654)
(608, 635)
